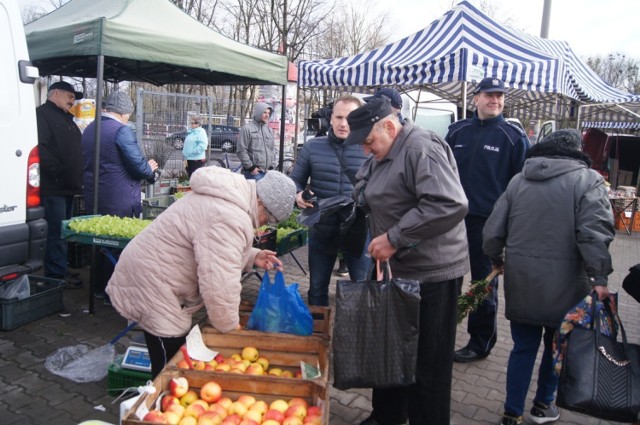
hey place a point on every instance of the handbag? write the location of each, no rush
(375, 335)
(279, 308)
(600, 376)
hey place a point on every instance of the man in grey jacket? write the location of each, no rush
(554, 223)
(256, 149)
(411, 185)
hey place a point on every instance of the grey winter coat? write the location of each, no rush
(554, 223)
(256, 146)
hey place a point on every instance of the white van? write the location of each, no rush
(23, 230)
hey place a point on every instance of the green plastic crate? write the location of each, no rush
(152, 207)
(119, 379)
(45, 299)
(292, 241)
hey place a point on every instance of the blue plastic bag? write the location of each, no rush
(280, 308)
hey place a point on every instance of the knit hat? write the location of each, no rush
(278, 194)
(119, 103)
(568, 138)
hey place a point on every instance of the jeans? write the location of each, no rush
(247, 175)
(526, 341)
(322, 258)
(56, 209)
(428, 401)
(481, 326)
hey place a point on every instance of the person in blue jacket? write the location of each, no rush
(195, 146)
(489, 151)
(121, 169)
(320, 163)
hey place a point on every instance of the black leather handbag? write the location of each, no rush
(600, 376)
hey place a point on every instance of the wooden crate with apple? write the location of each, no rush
(212, 399)
(322, 318)
(278, 356)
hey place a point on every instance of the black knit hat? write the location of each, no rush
(568, 138)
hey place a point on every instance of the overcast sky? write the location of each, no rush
(590, 27)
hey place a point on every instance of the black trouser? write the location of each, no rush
(481, 326)
(161, 350)
(428, 401)
(193, 165)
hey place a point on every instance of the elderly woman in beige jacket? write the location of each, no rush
(193, 255)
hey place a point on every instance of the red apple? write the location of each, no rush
(296, 410)
(292, 420)
(178, 386)
(210, 418)
(195, 410)
(238, 408)
(155, 416)
(247, 400)
(313, 420)
(286, 374)
(298, 401)
(188, 420)
(248, 422)
(274, 415)
(211, 392)
(232, 420)
(314, 411)
(167, 401)
(172, 418)
(264, 362)
(255, 369)
(254, 415)
(219, 358)
(225, 402)
(260, 406)
(270, 422)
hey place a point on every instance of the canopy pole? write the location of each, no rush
(464, 99)
(579, 108)
(93, 275)
(283, 115)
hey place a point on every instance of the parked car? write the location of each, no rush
(221, 136)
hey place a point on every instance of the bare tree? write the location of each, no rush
(617, 70)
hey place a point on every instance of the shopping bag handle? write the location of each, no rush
(383, 275)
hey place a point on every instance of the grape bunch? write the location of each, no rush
(108, 225)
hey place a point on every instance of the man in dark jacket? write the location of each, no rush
(552, 228)
(417, 210)
(122, 167)
(256, 145)
(61, 173)
(489, 151)
(320, 160)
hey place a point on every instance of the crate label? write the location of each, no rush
(106, 242)
(308, 371)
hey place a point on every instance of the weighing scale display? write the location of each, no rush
(137, 358)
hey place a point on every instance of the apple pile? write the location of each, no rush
(248, 362)
(186, 406)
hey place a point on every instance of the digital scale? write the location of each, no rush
(137, 358)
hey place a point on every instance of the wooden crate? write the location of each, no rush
(233, 386)
(284, 351)
(322, 318)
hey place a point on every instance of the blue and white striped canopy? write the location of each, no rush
(546, 79)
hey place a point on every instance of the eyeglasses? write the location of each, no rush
(270, 218)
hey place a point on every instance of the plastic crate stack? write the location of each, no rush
(78, 255)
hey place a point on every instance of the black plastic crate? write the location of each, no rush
(45, 299)
(78, 255)
(78, 206)
(266, 240)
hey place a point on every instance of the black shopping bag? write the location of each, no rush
(600, 376)
(375, 335)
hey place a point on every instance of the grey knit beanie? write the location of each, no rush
(119, 103)
(278, 194)
(568, 138)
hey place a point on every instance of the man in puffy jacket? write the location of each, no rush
(320, 160)
(193, 255)
(256, 148)
(554, 224)
(61, 173)
(122, 167)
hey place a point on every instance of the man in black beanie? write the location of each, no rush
(552, 228)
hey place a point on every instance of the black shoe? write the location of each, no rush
(73, 274)
(467, 355)
(107, 300)
(71, 282)
(342, 269)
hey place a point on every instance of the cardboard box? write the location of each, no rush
(233, 386)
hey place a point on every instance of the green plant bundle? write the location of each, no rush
(108, 225)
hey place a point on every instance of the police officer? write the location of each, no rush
(489, 151)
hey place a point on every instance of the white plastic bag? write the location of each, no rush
(79, 364)
(17, 288)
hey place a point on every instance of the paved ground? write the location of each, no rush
(29, 394)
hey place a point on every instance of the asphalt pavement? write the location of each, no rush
(30, 394)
